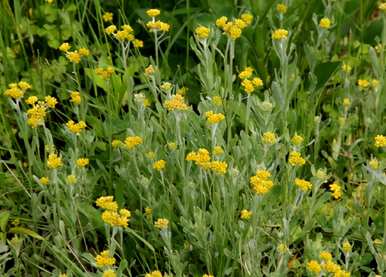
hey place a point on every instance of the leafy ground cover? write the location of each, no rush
(192, 138)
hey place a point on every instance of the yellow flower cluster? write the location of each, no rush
(327, 265)
(382, 6)
(297, 140)
(161, 223)
(217, 150)
(104, 73)
(149, 70)
(75, 97)
(325, 23)
(214, 118)
(126, 33)
(234, 28)
(279, 34)
(107, 17)
(269, 138)
(249, 85)
(363, 84)
(153, 12)
(104, 259)
(76, 55)
(156, 25)
(295, 159)
(380, 141)
(76, 128)
(111, 215)
(303, 185)
(54, 161)
(245, 214)
(82, 162)
(207, 275)
(155, 273)
(336, 190)
(202, 32)
(166, 86)
(16, 91)
(176, 103)
(37, 114)
(109, 273)
(44, 180)
(281, 8)
(71, 179)
(159, 165)
(202, 159)
(133, 141)
(261, 182)
(374, 164)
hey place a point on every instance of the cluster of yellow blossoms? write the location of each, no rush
(202, 159)
(202, 32)
(37, 114)
(54, 161)
(328, 265)
(336, 190)
(161, 223)
(261, 182)
(76, 55)
(295, 159)
(364, 84)
(16, 91)
(279, 34)
(159, 165)
(156, 25)
(111, 215)
(104, 259)
(214, 118)
(176, 103)
(380, 141)
(302, 184)
(155, 273)
(245, 214)
(269, 138)
(76, 128)
(325, 23)
(234, 28)
(249, 85)
(126, 33)
(75, 97)
(104, 73)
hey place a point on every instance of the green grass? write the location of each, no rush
(58, 228)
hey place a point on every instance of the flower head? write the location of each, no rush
(295, 159)
(82, 162)
(176, 103)
(107, 202)
(153, 12)
(76, 128)
(44, 180)
(107, 17)
(64, 47)
(280, 34)
(245, 214)
(104, 259)
(269, 138)
(281, 8)
(54, 161)
(336, 190)
(133, 141)
(380, 141)
(314, 266)
(202, 32)
(325, 23)
(75, 97)
(261, 182)
(161, 223)
(159, 165)
(303, 185)
(214, 118)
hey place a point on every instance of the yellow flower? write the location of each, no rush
(382, 6)
(76, 128)
(261, 182)
(137, 43)
(214, 118)
(64, 47)
(116, 143)
(44, 180)
(54, 161)
(325, 23)
(222, 21)
(156, 273)
(207, 275)
(247, 18)
(116, 219)
(374, 83)
(124, 35)
(246, 73)
(281, 8)
(279, 34)
(159, 165)
(314, 266)
(82, 162)
(75, 97)
(217, 100)
(104, 259)
(150, 155)
(73, 56)
(336, 190)
(31, 100)
(303, 184)
(71, 179)
(202, 32)
(282, 248)
(23, 85)
(346, 68)
(51, 101)
(245, 214)
(161, 223)
(295, 159)
(374, 164)
(107, 17)
(172, 146)
(158, 25)
(133, 141)
(148, 211)
(269, 138)
(240, 23)
(217, 150)
(380, 141)
(36, 115)
(218, 167)
(234, 32)
(325, 256)
(84, 52)
(14, 92)
(257, 82)
(176, 103)
(110, 29)
(248, 86)
(331, 267)
(346, 246)
(104, 73)
(201, 158)
(109, 273)
(153, 12)
(363, 84)
(107, 202)
(297, 140)
(149, 70)
(166, 86)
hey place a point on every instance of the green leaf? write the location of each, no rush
(324, 71)
(25, 231)
(4, 217)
